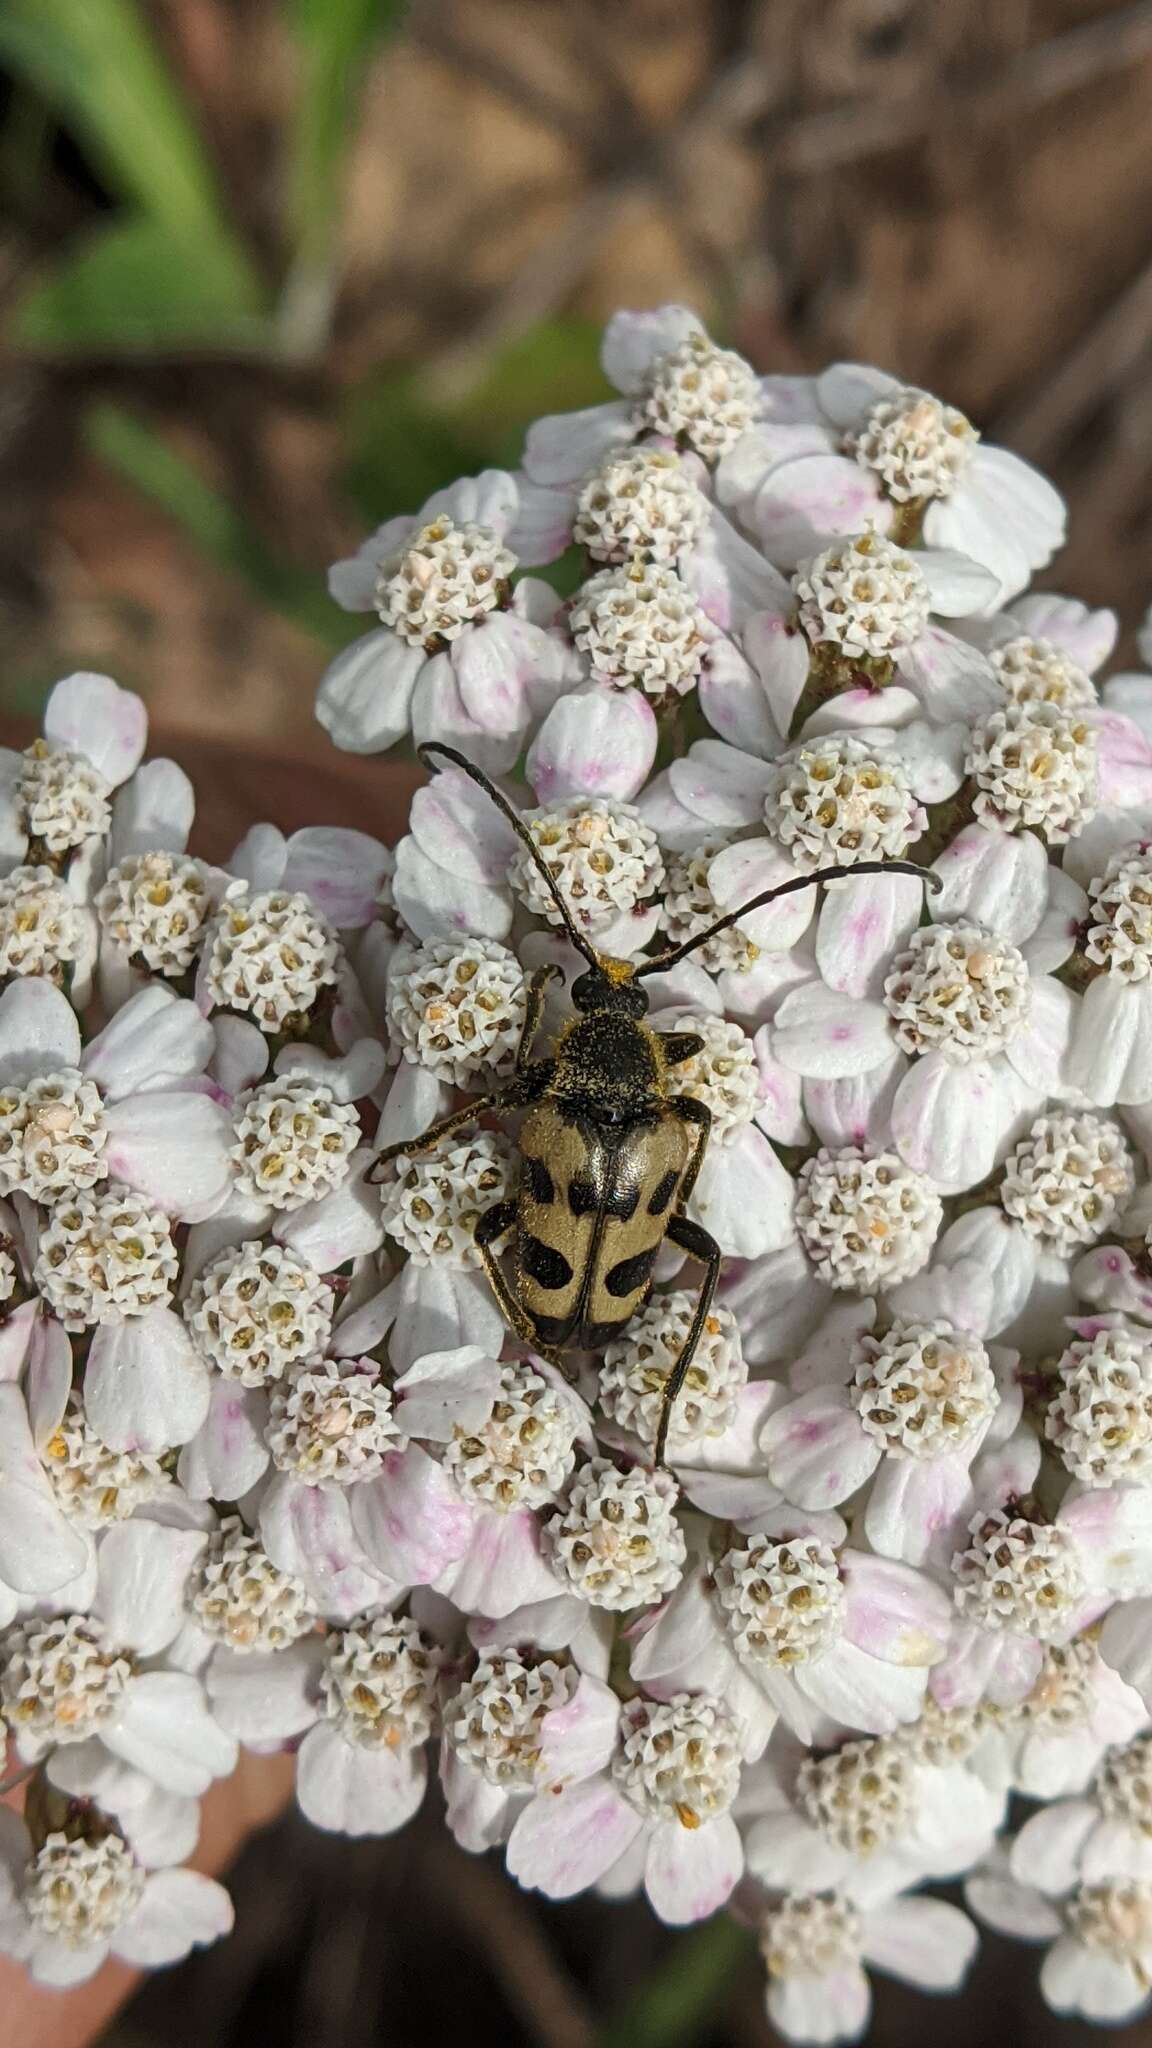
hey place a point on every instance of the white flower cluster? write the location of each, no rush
(896, 1568)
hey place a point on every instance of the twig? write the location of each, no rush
(509, 1938)
(1094, 369)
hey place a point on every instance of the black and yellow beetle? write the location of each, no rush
(609, 1154)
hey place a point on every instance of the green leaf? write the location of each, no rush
(99, 65)
(136, 286)
(131, 448)
(685, 1997)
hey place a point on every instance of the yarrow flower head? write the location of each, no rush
(639, 505)
(448, 577)
(41, 928)
(104, 1256)
(63, 798)
(918, 446)
(605, 859)
(258, 1309)
(1100, 1417)
(1033, 671)
(1018, 1575)
(616, 1541)
(702, 395)
(636, 1368)
(155, 908)
(294, 1140)
(1035, 766)
(835, 800)
(863, 598)
(865, 1222)
(640, 625)
(457, 1007)
(1066, 1181)
(268, 956)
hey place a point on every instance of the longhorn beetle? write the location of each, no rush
(609, 1153)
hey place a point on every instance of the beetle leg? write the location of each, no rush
(527, 1085)
(680, 1046)
(491, 1225)
(533, 1012)
(690, 1111)
(700, 1244)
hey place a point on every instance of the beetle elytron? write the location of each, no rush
(609, 1154)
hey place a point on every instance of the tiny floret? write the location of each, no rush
(94, 1485)
(918, 446)
(865, 1222)
(862, 1797)
(679, 1759)
(293, 1140)
(865, 598)
(783, 1602)
(79, 1891)
(60, 1681)
(379, 1683)
(449, 577)
(242, 1599)
(331, 1422)
(834, 801)
(1036, 672)
(257, 1309)
(958, 990)
(52, 1136)
(616, 1541)
(457, 1007)
(606, 860)
(639, 625)
(1120, 915)
(639, 505)
(268, 956)
(104, 1256)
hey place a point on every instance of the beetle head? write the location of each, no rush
(610, 986)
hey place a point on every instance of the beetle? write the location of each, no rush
(609, 1152)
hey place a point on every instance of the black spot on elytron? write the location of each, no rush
(538, 1181)
(547, 1267)
(583, 1197)
(630, 1274)
(663, 1192)
(623, 1203)
(594, 1336)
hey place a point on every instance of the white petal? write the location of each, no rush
(352, 581)
(821, 2009)
(228, 1453)
(832, 1036)
(893, 1612)
(39, 1032)
(341, 870)
(180, 1910)
(494, 662)
(436, 902)
(1088, 636)
(164, 1729)
(578, 1739)
(344, 1224)
(1126, 1643)
(1111, 1056)
(1083, 1980)
(750, 701)
(744, 1196)
(815, 1449)
(952, 679)
(365, 697)
(780, 1115)
(747, 869)
(917, 1508)
(173, 1148)
(1046, 1852)
(562, 447)
(157, 1040)
(142, 1582)
(1017, 1909)
(154, 810)
(49, 1379)
(502, 1568)
(862, 1691)
(307, 1530)
(691, 1872)
(720, 785)
(633, 344)
(355, 1791)
(998, 879)
(958, 585)
(847, 392)
(805, 502)
(596, 742)
(862, 923)
(145, 1386)
(925, 1941)
(266, 1696)
(1039, 1052)
(948, 1121)
(93, 716)
(411, 1520)
(39, 1549)
(564, 1841)
(858, 1110)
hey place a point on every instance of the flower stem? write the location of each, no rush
(680, 1999)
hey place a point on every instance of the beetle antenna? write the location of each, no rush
(660, 961)
(507, 810)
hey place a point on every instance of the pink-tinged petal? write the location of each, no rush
(1088, 636)
(93, 716)
(744, 1196)
(634, 343)
(1126, 1643)
(999, 879)
(352, 581)
(879, 712)
(341, 870)
(1124, 770)
(781, 1114)
(958, 586)
(502, 1567)
(145, 1386)
(564, 1841)
(1132, 696)
(720, 785)
(847, 392)
(440, 713)
(858, 1109)
(307, 1530)
(411, 1520)
(173, 1148)
(862, 923)
(1113, 1536)
(991, 1265)
(39, 1030)
(1110, 1279)
(342, 1225)
(1054, 938)
(685, 1642)
(228, 1454)
(354, 1791)
(862, 1691)
(493, 662)
(917, 1508)
(894, 1612)
(596, 742)
(747, 869)
(142, 1582)
(180, 1910)
(578, 1739)
(735, 699)
(266, 1696)
(815, 1449)
(455, 824)
(1016, 1666)
(805, 502)
(948, 1122)
(730, 578)
(824, 1360)
(691, 1872)
(542, 528)
(50, 1373)
(39, 1549)
(1111, 1055)
(927, 1942)
(820, 1032)
(1039, 1052)
(154, 810)
(562, 447)
(479, 1815)
(961, 1678)
(827, 2007)
(157, 1040)
(438, 902)
(1077, 1979)
(365, 697)
(781, 658)
(164, 1729)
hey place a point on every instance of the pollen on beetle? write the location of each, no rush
(783, 1603)
(922, 1389)
(865, 1222)
(80, 1891)
(1068, 1179)
(835, 800)
(809, 1934)
(448, 577)
(433, 1206)
(330, 1421)
(94, 1485)
(457, 1007)
(958, 990)
(379, 1683)
(60, 1682)
(690, 907)
(679, 1759)
(725, 1076)
(862, 1797)
(522, 1453)
(701, 396)
(242, 1599)
(1035, 672)
(1019, 1576)
(293, 1140)
(636, 1368)
(257, 1309)
(1123, 1784)
(1120, 915)
(41, 924)
(918, 446)
(1034, 766)
(495, 1720)
(616, 1540)
(155, 908)
(865, 598)
(53, 1133)
(1100, 1414)
(639, 625)
(104, 1256)
(268, 956)
(605, 858)
(640, 504)
(63, 798)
